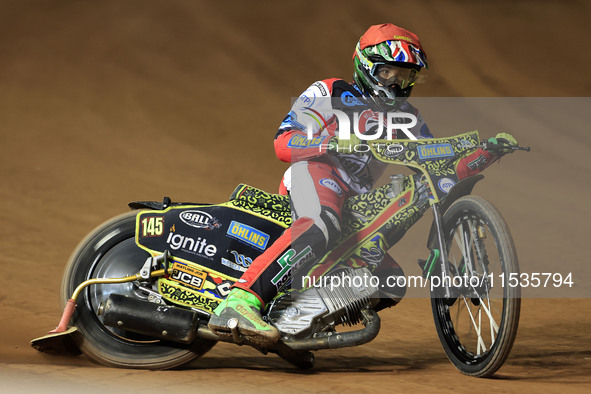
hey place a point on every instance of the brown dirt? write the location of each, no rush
(106, 102)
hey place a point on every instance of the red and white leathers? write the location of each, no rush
(319, 181)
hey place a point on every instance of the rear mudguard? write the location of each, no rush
(159, 206)
(462, 188)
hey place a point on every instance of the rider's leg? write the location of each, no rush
(317, 214)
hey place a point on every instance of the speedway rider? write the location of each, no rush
(326, 170)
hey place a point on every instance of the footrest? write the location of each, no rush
(429, 266)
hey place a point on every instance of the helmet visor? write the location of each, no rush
(388, 75)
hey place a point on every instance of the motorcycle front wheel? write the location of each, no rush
(110, 251)
(478, 325)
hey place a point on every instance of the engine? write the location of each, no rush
(334, 300)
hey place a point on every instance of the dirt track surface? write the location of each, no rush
(102, 103)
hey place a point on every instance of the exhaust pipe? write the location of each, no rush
(147, 318)
(331, 340)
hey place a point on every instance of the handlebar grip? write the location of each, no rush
(499, 147)
(525, 148)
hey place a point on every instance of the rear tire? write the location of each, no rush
(110, 251)
(477, 329)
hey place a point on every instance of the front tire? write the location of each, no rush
(110, 251)
(477, 328)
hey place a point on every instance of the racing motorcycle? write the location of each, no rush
(139, 290)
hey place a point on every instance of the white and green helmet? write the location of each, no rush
(387, 62)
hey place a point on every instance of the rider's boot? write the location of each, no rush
(245, 308)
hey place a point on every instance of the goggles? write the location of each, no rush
(388, 75)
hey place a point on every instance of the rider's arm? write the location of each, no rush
(293, 145)
(465, 167)
(496, 147)
(311, 114)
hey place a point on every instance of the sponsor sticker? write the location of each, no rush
(320, 86)
(240, 263)
(197, 246)
(478, 163)
(290, 262)
(199, 219)
(301, 142)
(189, 276)
(290, 122)
(435, 150)
(232, 265)
(223, 289)
(445, 184)
(465, 144)
(307, 98)
(249, 235)
(394, 148)
(391, 151)
(349, 100)
(332, 185)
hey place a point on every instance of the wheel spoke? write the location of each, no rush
(480, 329)
(480, 341)
(469, 261)
(494, 327)
(461, 237)
(455, 262)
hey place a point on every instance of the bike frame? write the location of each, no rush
(385, 222)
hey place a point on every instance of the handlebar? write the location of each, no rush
(502, 146)
(525, 148)
(485, 145)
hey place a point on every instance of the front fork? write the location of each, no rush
(438, 255)
(436, 264)
(443, 266)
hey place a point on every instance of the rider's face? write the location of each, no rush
(388, 75)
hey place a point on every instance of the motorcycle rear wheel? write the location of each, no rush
(478, 327)
(110, 251)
